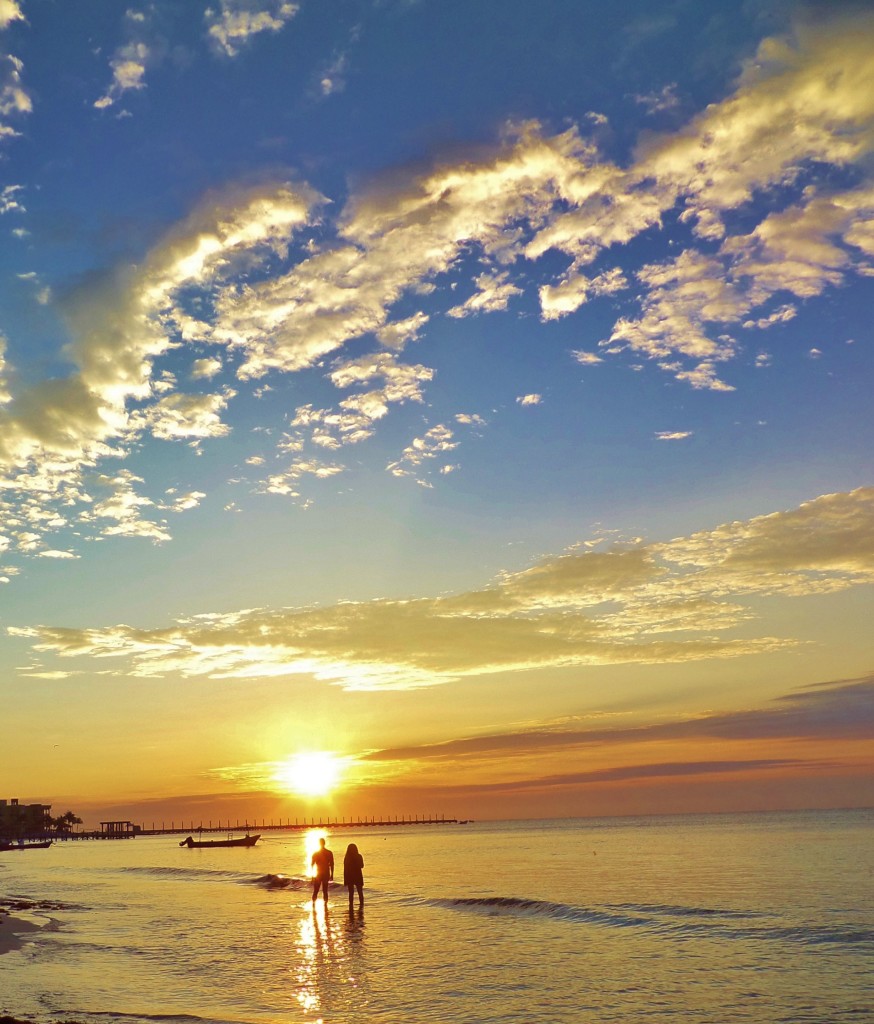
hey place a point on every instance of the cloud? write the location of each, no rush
(494, 293)
(824, 544)
(53, 434)
(236, 290)
(780, 316)
(646, 604)
(392, 240)
(10, 199)
(286, 483)
(122, 508)
(672, 435)
(184, 416)
(232, 25)
(354, 418)
(206, 369)
(829, 711)
(143, 48)
(531, 399)
(434, 442)
(660, 770)
(657, 102)
(15, 101)
(587, 358)
(567, 297)
(9, 11)
(333, 77)
(396, 335)
(800, 103)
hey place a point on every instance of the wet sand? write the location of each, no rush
(12, 930)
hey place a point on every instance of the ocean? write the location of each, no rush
(756, 918)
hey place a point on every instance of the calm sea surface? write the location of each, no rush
(757, 918)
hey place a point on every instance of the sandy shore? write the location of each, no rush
(12, 930)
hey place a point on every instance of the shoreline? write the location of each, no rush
(13, 932)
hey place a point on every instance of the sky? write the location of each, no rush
(416, 407)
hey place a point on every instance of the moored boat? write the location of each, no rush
(201, 844)
(44, 845)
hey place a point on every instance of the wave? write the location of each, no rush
(511, 906)
(268, 881)
(164, 1017)
(679, 921)
(280, 881)
(680, 911)
(165, 872)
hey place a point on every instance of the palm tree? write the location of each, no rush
(66, 822)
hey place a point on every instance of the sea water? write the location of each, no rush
(757, 918)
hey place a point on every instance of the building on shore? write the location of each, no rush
(18, 821)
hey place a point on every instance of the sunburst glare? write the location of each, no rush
(311, 774)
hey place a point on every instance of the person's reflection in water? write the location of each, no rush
(331, 980)
(353, 875)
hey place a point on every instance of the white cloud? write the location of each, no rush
(396, 335)
(587, 358)
(531, 399)
(644, 604)
(122, 507)
(143, 49)
(183, 502)
(672, 435)
(15, 101)
(433, 443)
(228, 277)
(231, 26)
(779, 316)
(286, 483)
(205, 369)
(332, 79)
(10, 199)
(9, 11)
(657, 102)
(567, 296)
(54, 432)
(494, 292)
(185, 416)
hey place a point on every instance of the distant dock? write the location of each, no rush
(298, 825)
(130, 830)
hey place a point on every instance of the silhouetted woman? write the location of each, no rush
(353, 874)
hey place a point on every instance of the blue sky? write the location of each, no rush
(364, 359)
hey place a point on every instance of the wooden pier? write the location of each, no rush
(129, 830)
(298, 825)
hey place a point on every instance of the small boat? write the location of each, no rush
(25, 846)
(203, 844)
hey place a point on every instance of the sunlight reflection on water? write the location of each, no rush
(768, 917)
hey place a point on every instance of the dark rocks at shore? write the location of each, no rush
(19, 1020)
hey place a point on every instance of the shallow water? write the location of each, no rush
(756, 918)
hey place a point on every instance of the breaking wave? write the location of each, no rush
(679, 921)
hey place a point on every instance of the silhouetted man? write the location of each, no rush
(323, 862)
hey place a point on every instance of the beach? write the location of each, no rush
(768, 916)
(13, 930)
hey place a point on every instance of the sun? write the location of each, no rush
(311, 774)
